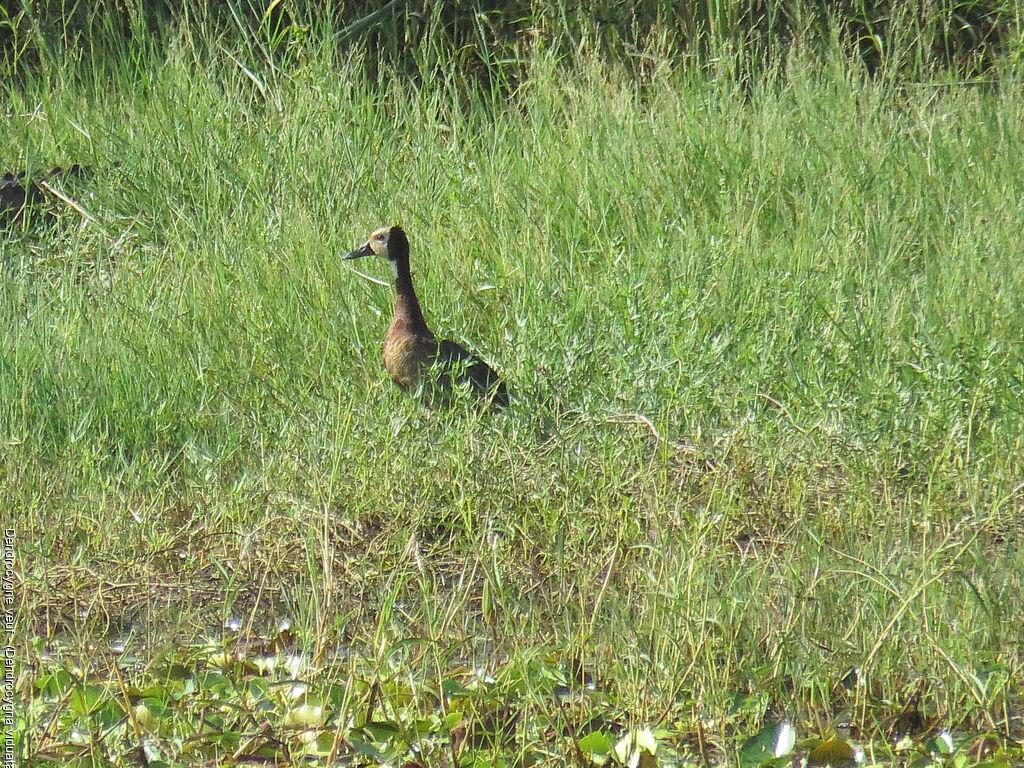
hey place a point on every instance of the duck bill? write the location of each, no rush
(358, 253)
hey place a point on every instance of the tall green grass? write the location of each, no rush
(894, 38)
(765, 342)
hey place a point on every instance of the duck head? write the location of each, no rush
(387, 242)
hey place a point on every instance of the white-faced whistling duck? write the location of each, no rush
(416, 360)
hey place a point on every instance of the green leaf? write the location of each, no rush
(637, 749)
(837, 753)
(450, 721)
(596, 744)
(56, 683)
(365, 748)
(178, 672)
(87, 698)
(941, 744)
(231, 739)
(107, 713)
(222, 660)
(454, 688)
(768, 744)
(218, 685)
(381, 730)
(645, 740)
(149, 712)
(306, 715)
(152, 692)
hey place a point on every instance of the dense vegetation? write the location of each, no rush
(893, 36)
(758, 301)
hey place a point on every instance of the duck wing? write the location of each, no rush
(466, 368)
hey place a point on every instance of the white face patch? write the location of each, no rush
(378, 241)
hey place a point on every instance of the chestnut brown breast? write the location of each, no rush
(408, 353)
